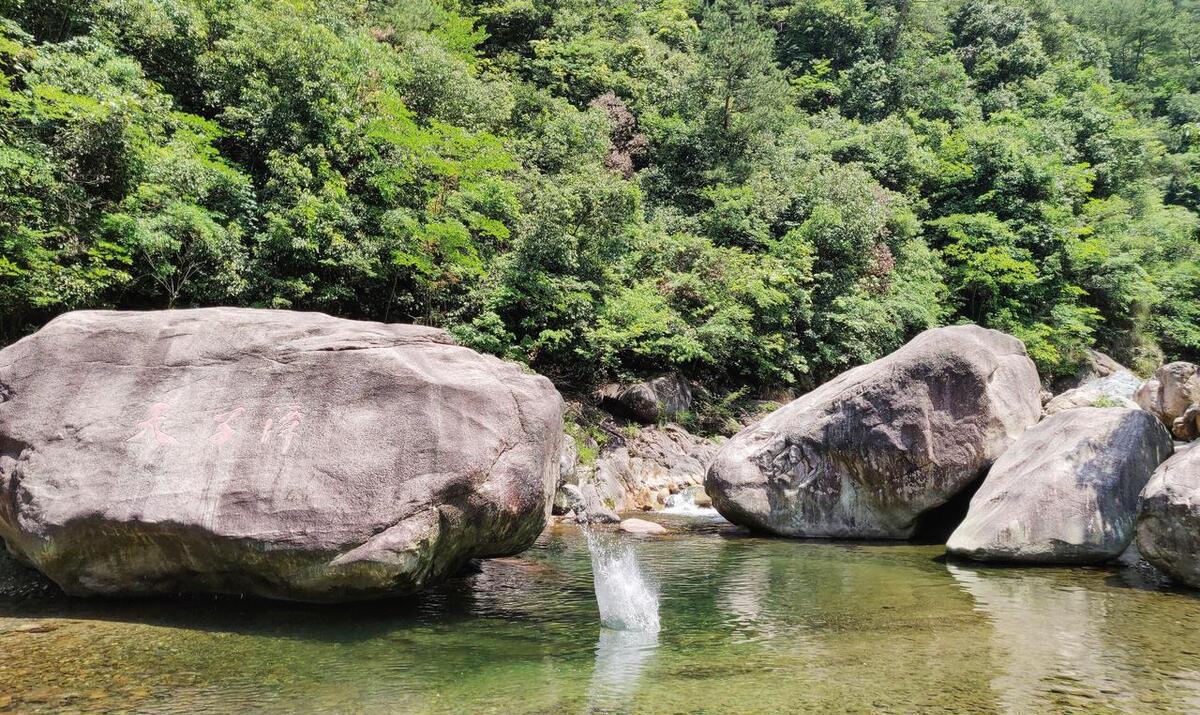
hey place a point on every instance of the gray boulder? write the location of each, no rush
(1168, 524)
(1066, 491)
(1170, 395)
(867, 454)
(584, 504)
(289, 455)
(647, 402)
(1115, 390)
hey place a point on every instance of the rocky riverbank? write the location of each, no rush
(637, 468)
(305, 457)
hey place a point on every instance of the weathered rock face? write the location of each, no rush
(568, 458)
(639, 469)
(1168, 524)
(1170, 395)
(646, 402)
(1066, 491)
(584, 504)
(289, 455)
(652, 464)
(1115, 390)
(1097, 366)
(1186, 427)
(865, 455)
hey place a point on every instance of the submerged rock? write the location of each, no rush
(1066, 491)
(1171, 395)
(289, 455)
(867, 454)
(1168, 524)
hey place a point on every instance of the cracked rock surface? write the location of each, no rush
(283, 454)
(868, 453)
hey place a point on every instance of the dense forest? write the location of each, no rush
(756, 194)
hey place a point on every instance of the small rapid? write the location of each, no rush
(685, 505)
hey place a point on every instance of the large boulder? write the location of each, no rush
(1115, 390)
(1066, 491)
(1168, 524)
(647, 402)
(867, 454)
(289, 455)
(1170, 395)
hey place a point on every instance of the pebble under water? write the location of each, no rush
(748, 625)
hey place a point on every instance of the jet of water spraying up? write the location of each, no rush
(627, 602)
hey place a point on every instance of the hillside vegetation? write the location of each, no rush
(756, 194)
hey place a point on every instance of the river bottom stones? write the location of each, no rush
(1066, 491)
(288, 455)
(867, 454)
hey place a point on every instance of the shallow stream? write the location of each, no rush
(748, 625)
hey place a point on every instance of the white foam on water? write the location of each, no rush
(685, 505)
(627, 602)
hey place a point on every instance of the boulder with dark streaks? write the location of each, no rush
(289, 455)
(870, 452)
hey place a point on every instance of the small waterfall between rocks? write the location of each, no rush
(684, 504)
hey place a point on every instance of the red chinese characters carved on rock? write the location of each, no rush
(224, 432)
(285, 431)
(279, 429)
(152, 426)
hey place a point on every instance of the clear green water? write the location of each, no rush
(750, 625)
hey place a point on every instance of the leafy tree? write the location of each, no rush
(756, 193)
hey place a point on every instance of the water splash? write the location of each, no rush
(627, 602)
(684, 504)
